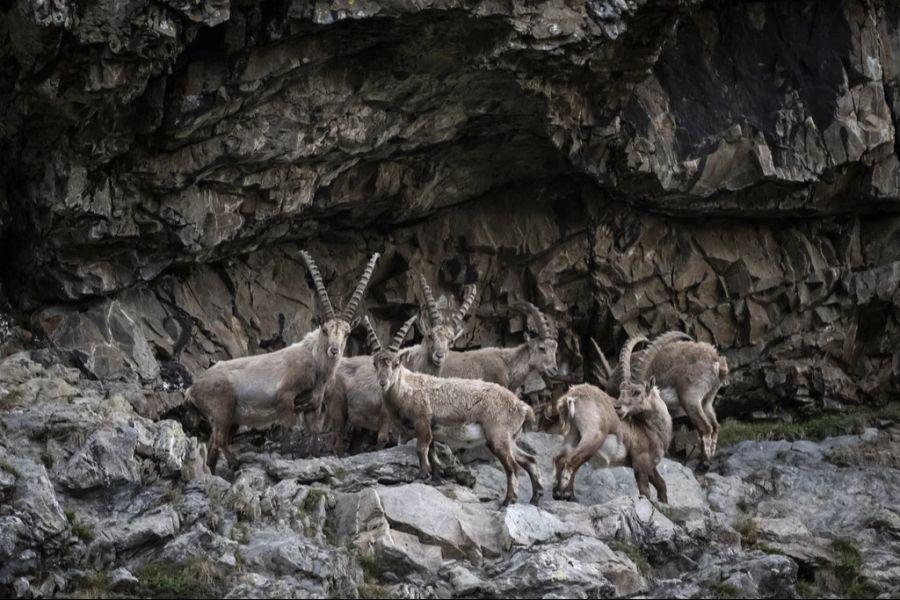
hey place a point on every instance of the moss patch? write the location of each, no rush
(313, 500)
(11, 399)
(84, 531)
(200, 578)
(816, 428)
(93, 585)
(721, 589)
(636, 555)
(748, 530)
(9, 469)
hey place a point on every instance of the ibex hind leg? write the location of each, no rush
(692, 402)
(709, 410)
(501, 446)
(587, 448)
(528, 462)
(220, 436)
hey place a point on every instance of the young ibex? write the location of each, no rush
(260, 390)
(688, 374)
(635, 435)
(509, 367)
(419, 401)
(354, 395)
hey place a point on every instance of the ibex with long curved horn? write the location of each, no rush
(510, 367)
(636, 434)
(260, 390)
(688, 374)
(354, 396)
(421, 401)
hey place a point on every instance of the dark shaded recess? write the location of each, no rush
(731, 74)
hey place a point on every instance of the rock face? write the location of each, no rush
(768, 518)
(726, 168)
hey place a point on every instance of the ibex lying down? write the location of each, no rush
(688, 374)
(509, 367)
(354, 394)
(637, 435)
(419, 400)
(260, 390)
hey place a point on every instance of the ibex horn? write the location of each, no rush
(371, 336)
(433, 314)
(625, 355)
(320, 285)
(468, 299)
(357, 296)
(649, 355)
(401, 334)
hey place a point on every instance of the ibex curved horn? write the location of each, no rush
(625, 355)
(371, 336)
(536, 315)
(649, 355)
(320, 285)
(434, 314)
(470, 291)
(600, 376)
(360, 290)
(401, 334)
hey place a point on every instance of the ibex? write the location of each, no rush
(509, 367)
(260, 390)
(636, 434)
(418, 401)
(354, 395)
(688, 374)
(429, 356)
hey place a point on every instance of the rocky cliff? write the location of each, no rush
(728, 168)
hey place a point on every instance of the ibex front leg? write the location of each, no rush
(287, 418)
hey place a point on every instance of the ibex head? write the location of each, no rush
(636, 396)
(438, 335)
(335, 328)
(387, 362)
(541, 349)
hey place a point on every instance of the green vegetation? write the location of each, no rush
(636, 555)
(93, 585)
(11, 399)
(816, 428)
(241, 533)
(748, 530)
(721, 589)
(313, 499)
(47, 458)
(371, 587)
(9, 469)
(84, 531)
(200, 578)
(843, 579)
(374, 590)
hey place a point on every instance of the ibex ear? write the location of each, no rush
(459, 333)
(651, 383)
(527, 335)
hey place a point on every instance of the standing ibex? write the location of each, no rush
(637, 435)
(429, 356)
(509, 367)
(354, 395)
(419, 401)
(688, 374)
(260, 390)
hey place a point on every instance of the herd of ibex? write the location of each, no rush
(430, 392)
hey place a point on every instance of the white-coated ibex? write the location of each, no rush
(261, 390)
(354, 395)
(419, 401)
(688, 374)
(509, 367)
(636, 434)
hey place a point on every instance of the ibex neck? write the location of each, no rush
(516, 360)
